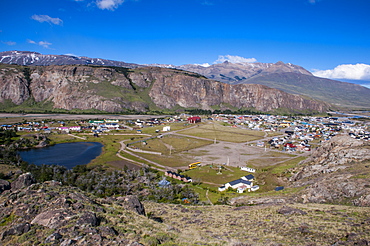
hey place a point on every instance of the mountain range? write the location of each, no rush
(27, 58)
(146, 89)
(54, 80)
(286, 77)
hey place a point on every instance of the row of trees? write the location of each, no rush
(103, 182)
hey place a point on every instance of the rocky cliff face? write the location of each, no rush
(119, 89)
(202, 93)
(338, 171)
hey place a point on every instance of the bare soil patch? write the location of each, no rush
(237, 155)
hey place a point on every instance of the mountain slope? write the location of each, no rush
(338, 93)
(235, 73)
(114, 89)
(289, 78)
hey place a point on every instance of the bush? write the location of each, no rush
(150, 241)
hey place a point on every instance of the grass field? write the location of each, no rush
(213, 174)
(174, 161)
(321, 224)
(226, 133)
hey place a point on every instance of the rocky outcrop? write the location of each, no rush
(24, 180)
(336, 154)
(18, 229)
(53, 218)
(52, 214)
(336, 189)
(4, 185)
(363, 201)
(119, 89)
(289, 211)
(132, 203)
(336, 172)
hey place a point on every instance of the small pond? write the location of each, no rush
(64, 154)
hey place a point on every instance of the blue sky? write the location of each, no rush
(331, 37)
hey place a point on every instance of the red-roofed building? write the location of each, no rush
(194, 119)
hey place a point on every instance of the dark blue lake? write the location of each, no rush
(64, 154)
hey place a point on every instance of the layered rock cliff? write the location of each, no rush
(113, 89)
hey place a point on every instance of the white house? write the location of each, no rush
(248, 169)
(248, 177)
(75, 128)
(239, 183)
(166, 128)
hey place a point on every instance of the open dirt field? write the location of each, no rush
(237, 154)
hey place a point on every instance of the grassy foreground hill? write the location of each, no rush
(51, 214)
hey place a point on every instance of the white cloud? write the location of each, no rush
(41, 43)
(358, 71)
(203, 64)
(10, 43)
(48, 19)
(234, 59)
(109, 4)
